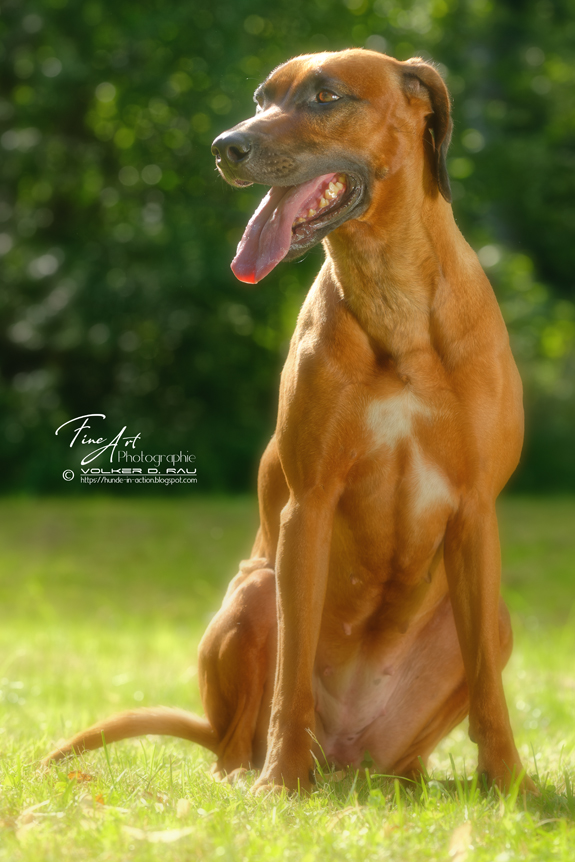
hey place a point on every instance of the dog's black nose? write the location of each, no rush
(234, 147)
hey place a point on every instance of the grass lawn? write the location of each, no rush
(103, 603)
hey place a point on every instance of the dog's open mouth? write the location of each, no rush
(292, 219)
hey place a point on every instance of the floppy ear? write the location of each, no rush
(422, 81)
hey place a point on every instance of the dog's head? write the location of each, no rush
(330, 133)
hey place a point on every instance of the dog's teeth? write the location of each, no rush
(311, 213)
(339, 186)
(323, 203)
(299, 220)
(330, 194)
(332, 187)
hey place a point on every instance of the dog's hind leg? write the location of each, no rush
(236, 659)
(236, 665)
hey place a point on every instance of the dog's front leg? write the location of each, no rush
(473, 567)
(301, 572)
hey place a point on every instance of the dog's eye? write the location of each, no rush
(326, 96)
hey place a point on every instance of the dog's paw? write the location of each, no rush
(505, 774)
(237, 776)
(267, 789)
(276, 781)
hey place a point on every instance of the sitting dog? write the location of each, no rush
(369, 616)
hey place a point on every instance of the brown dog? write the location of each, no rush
(400, 420)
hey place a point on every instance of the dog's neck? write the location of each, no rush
(388, 270)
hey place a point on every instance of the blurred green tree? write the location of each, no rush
(116, 233)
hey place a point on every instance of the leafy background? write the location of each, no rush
(116, 234)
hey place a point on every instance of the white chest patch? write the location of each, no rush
(391, 419)
(429, 486)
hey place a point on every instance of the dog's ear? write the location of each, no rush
(422, 81)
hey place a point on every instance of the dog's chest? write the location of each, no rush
(407, 460)
(392, 420)
(391, 518)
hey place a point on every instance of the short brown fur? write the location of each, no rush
(375, 573)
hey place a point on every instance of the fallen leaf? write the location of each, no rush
(157, 797)
(183, 808)
(339, 815)
(165, 836)
(332, 777)
(79, 776)
(29, 814)
(460, 842)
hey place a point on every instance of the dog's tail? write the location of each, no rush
(138, 722)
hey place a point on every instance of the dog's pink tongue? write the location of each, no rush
(267, 237)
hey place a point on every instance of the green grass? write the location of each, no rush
(103, 602)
